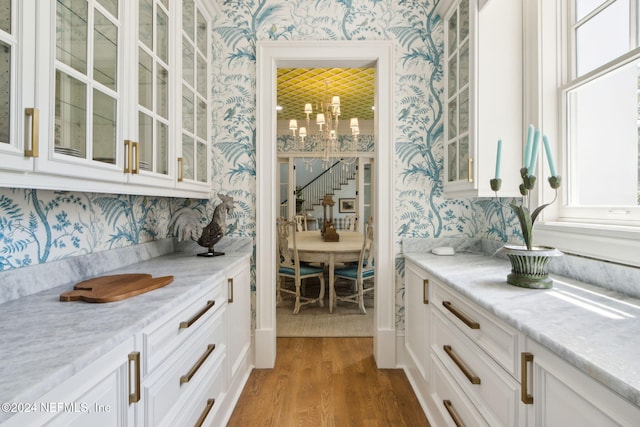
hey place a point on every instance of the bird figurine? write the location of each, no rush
(211, 235)
(186, 226)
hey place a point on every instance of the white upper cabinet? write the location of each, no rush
(18, 118)
(483, 84)
(193, 148)
(108, 93)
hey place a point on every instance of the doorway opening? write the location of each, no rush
(300, 193)
(291, 54)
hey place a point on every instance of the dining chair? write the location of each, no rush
(351, 223)
(301, 222)
(363, 271)
(290, 267)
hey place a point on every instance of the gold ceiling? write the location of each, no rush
(298, 86)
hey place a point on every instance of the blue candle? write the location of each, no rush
(552, 167)
(534, 152)
(498, 157)
(527, 147)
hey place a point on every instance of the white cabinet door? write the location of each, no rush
(417, 327)
(192, 146)
(103, 394)
(107, 78)
(239, 318)
(557, 394)
(483, 96)
(153, 97)
(17, 85)
(82, 120)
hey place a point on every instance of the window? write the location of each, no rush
(602, 113)
(586, 94)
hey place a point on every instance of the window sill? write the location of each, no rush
(618, 244)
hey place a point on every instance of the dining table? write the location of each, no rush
(311, 248)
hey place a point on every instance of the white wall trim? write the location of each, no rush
(270, 56)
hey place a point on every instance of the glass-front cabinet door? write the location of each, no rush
(459, 162)
(150, 148)
(18, 118)
(99, 84)
(483, 95)
(194, 152)
(82, 122)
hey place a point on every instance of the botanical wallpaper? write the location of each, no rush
(40, 226)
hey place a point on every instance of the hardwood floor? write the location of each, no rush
(327, 382)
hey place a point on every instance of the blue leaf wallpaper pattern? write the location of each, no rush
(37, 226)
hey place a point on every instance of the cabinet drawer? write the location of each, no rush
(498, 339)
(495, 393)
(454, 406)
(182, 373)
(201, 407)
(164, 338)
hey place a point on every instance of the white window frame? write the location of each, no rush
(548, 67)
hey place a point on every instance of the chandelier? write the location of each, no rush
(325, 142)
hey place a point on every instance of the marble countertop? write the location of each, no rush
(45, 341)
(593, 329)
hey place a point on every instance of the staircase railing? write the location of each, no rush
(329, 180)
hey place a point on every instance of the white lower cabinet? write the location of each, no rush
(239, 318)
(417, 308)
(103, 394)
(492, 390)
(454, 406)
(484, 372)
(198, 358)
(185, 368)
(477, 352)
(173, 385)
(560, 395)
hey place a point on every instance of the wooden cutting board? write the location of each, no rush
(114, 288)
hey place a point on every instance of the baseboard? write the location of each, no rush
(384, 348)
(265, 342)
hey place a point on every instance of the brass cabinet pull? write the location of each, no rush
(230, 283)
(473, 378)
(187, 377)
(187, 323)
(452, 412)
(35, 132)
(135, 358)
(205, 412)
(460, 315)
(180, 169)
(136, 165)
(425, 291)
(470, 169)
(525, 359)
(127, 155)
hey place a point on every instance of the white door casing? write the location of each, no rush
(272, 55)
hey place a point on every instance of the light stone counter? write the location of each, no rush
(594, 329)
(45, 341)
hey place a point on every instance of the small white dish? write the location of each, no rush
(443, 250)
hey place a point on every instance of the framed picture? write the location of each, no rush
(347, 205)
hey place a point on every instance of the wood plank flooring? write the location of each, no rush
(327, 382)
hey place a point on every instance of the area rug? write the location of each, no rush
(315, 321)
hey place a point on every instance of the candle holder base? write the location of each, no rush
(529, 268)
